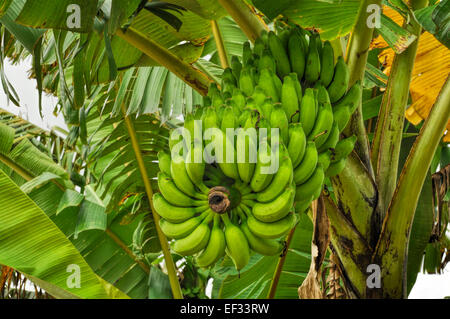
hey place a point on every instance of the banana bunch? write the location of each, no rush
(222, 196)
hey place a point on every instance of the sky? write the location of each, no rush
(426, 287)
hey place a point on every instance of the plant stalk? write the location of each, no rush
(170, 265)
(280, 264)
(391, 250)
(250, 23)
(161, 55)
(388, 133)
(357, 53)
(220, 44)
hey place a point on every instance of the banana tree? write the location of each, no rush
(124, 60)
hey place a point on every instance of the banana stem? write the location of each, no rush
(192, 76)
(389, 129)
(170, 265)
(250, 23)
(280, 264)
(220, 44)
(392, 247)
(356, 58)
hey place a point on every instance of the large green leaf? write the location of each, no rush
(332, 19)
(436, 20)
(34, 245)
(207, 9)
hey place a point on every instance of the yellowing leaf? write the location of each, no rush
(431, 69)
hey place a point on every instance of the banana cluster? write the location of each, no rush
(214, 207)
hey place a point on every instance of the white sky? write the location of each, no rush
(427, 286)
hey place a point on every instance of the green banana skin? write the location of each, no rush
(297, 55)
(259, 47)
(196, 171)
(173, 195)
(279, 54)
(327, 64)
(323, 126)
(246, 82)
(276, 209)
(343, 148)
(229, 169)
(279, 120)
(181, 230)
(325, 159)
(312, 185)
(352, 98)
(336, 168)
(181, 177)
(332, 139)
(289, 99)
(164, 162)
(342, 116)
(215, 248)
(237, 244)
(263, 246)
(175, 214)
(246, 169)
(308, 111)
(246, 53)
(277, 82)
(282, 178)
(266, 82)
(271, 230)
(195, 241)
(297, 143)
(312, 69)
(297, 86)
(303, 205)
(236, 67)
(267, 61)
(259, 180)
(307, 166)
(339, 84)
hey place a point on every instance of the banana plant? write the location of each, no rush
(131, 58)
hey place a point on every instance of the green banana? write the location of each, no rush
(183, 229)
(308, 111)
(336, 167)
(229, 119)
(282, 178)
(246, 53)
(271, 230)
(279, 54)
(308, 164)
(237, 244)
(303, 205)
(267, 61)
(246, 82)
(278, 119)
(258, 47)
(215, 248)
(261, 179)
(312, 68)
(312, 185)
(352, 98)
(341, 116)
(175, 214)
(332, 139)
(297, 86)
(181, 177)
(297, 143)
(263, 246)
(267, 84)
(195, 241)
(322, 127)
(195, 165)
(164, 162)
(173, 195)
(325, 159)
(277, 83)
(267, 108)
(343, 148)
(297, 55)
(236, 67)
(223, 151)
(246, 146)
(327, 64)
(339, 84)
(277, 208)
(289, 99)
(259, 96)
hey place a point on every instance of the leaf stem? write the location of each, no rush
(170, 265)
(250, 23)
(392, 247)
(193, 77)
(220, 44)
